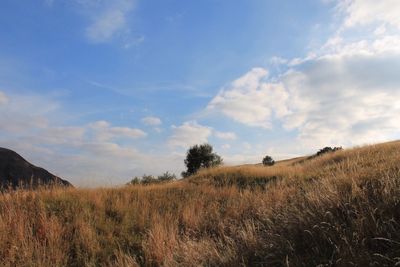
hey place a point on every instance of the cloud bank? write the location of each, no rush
(347, 92)
(91, 154)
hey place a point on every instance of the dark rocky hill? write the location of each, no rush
(15, 171)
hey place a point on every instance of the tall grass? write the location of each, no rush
(341, 209)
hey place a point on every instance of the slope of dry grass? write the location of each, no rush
(341, 209)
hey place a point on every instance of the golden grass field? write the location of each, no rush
(340, 209)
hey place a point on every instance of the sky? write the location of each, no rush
(100, 91)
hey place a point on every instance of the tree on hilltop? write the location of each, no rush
(200, 156)
(268, 161)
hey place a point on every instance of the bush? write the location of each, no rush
(135, 180)
(200, 156)
(268, 161)
(166, 177)
(150, 179)
(327, 149)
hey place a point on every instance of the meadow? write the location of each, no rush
(339, 209)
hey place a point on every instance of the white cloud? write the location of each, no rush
(250, 100)
(338, 99)
(225, 135)
(349, 93)
(363, 12)
(348, 101)
(188, 134)
(153, 121)
(103, 131)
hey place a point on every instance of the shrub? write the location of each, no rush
(200, 156)
(268, 161)
(327, 149)
(166, 177)
(150, 179)
(135, 180)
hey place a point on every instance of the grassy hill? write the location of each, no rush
(339, 209)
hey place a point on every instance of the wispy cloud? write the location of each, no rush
(151, 120)
(225, 135)
(106, 26)
(250, 100)
(108, 20)
(103, 131)
(186, 90)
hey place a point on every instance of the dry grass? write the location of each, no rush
(341, 209)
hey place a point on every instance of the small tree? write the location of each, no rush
(268, 161)
(135, 180)
(148, 179)
(200, 156)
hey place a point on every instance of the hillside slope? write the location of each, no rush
(340, 209)
(15, 171)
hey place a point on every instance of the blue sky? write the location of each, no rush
(99, 91)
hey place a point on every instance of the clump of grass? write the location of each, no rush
(339, 209)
